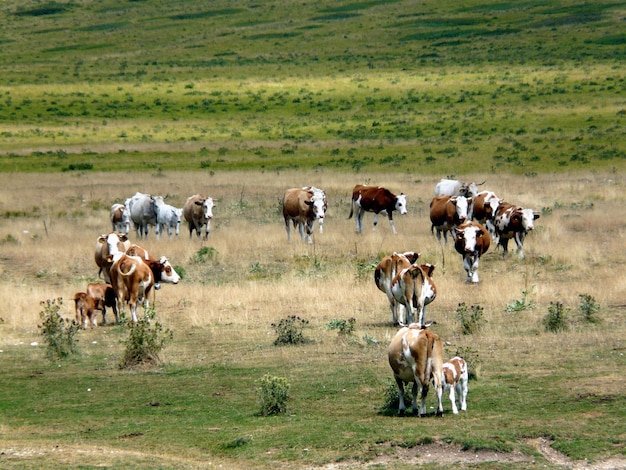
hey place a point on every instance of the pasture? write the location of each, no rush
(200, 408)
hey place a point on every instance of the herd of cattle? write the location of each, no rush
(415, 354)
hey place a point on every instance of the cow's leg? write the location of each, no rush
(309, 230)
(207, 229)
(414, 393)
(453, 399)
(321, 222)
(392, 224)
(439, 391)
(359, 219)
(462, 392)
(401, 405)
(424, 393)
(375, 221)
(504, 243)
(288, 229)
(519, 240)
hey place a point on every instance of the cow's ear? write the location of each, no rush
(536, 215)
(308, 203)
(123, 238)
(198, 203)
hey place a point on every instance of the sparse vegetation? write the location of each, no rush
(589, 308)
(58, 333)
(290, 330)
(273, 395)
(470, 318)
(344, 327)
(145, 340)
(518, 305)
(556, 319)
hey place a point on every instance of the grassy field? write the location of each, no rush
(201, 407)
(241, 100)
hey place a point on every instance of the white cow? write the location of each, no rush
(143, 213)
(448, 187)
(167, 217)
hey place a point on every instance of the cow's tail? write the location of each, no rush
(351, 208)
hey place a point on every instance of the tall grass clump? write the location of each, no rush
(290, 330)
(58, 333)
(273, 395)
(589, 308)
(470, 318)
(144, 342)
(556, 319)
(519, 305)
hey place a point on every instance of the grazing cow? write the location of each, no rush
(318, 194)
(415, 356)
(384, 273)
(454, 378)
(143, 214)
(471, 241)
(377, 200)
(103, 296)
(414, 288)
(513, 222)
(132, 279)
(167, 217)
(447, 187)
(120, 218)
(107, 246)
(302, 207)
(484, 209)
(85, 309)
(198, 212)
(446, 212)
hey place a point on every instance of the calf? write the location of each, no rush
(384, 273)
(446, 212)
(471, 241)
(415, 355)
(85, 309)
(454, 377)
(120, 218)
(513, 222)
(377, 200)
(414, 288)
(103, 296)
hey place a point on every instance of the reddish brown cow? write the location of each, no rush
(377, 200)
(484, 209)
(198, 212)
(471, 241)
(302, 207)
(513, 222)
(85, 309)
(415, 356)
(384, 274)
(103, 296)
(446, 212)
(414, 288)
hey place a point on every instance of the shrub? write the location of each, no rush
(390, 398)
(588, 307)
(273, 395)
(204, 255)
(521, 304)
(289, 330)
(555, 320)
(58, 333)
(471, 318)
(144, 343)
(343, 327)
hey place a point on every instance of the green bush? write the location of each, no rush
(588, 307)
(556, 318)
(471, 318)
(343, 327)
(390, 398)
(58, 333)
(273, 395)
(289, 330)
(521, 304)
(204, 255)
(144, 343)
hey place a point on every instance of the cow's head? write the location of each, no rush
(167, 272)
(401, 204)
(317, 204)
(527, 217)
(206, 206)
(461, 204)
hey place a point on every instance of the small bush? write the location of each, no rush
(273, 395)
(390, 398)
(471, 318)
(58, 333)
(144, 343)
(522, 304)
(204, 255)
(555, 320)
(588, 307)
(344, 327)
(289, 330)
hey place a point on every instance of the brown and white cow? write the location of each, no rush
(319, 194)
(132, 279)
(302, 207)
(384, 273)
(103, 296)
(107, 246)
(120, 218)
(377, 200)
(415, 356)
(484, 209)
(454, 378)
(446, 212)
(414, 288)
(513, 222)
(198, 212)
(471, 241)
(85, 309)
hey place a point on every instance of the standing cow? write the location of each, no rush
(448, 187)
(198, 212)
(302, 207)
(513, 222)
(107, 247)
(120, 218)
(385, 272)
(446, 212)
(414, 288)
(318, 194)
(454, 378)
(415, 356)
(377, 200)
(143, 213)
(103, 296)
(168, 217)
(484, 210)
(471, 241)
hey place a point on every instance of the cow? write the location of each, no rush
(120, 218)
(85, 309)
(454, 379)
(143, 213)
(446, 212)
(302, 207)
(471, 241)
(448, 187)
(377, 200)
(103, 296)
(318, 194)
(515, 222)
(198, 212)
(384, 273)
(414, 288)
(484, 210)
(167, 217)
(107, 246)
(416, 356)
(132, 279)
